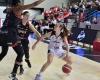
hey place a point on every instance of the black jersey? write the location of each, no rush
(10, 25)
(11, 21)
(24, 30)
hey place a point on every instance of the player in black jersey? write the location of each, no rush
(13, 20)
(24, 29)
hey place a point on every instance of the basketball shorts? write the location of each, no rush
(57, 53)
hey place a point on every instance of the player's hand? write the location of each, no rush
(42, 38)
(34, 46)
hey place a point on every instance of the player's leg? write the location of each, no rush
(25, 44)
(3, 52)
(26, 52)
(67, 59)
(19, 50)
(44, 67)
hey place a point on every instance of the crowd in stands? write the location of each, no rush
(51, 17)
(82, 11)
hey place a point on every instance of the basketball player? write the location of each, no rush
(24, 29)
(58, 39)
(12, 21)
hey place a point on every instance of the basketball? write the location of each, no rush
(66, 68)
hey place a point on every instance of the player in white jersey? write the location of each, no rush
(58, 39)
(55, 46)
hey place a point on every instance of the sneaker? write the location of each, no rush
(38, 77)
(0, 60)
(13, 77)
(21, 71)
(28, 63)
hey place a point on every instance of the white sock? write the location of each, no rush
(40, 73)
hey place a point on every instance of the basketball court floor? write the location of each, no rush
(83, 68)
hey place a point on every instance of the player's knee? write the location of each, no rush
(18, 62)
(49, 62)
(69, 59)
(19, 58)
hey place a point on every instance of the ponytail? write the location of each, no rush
(65, 32)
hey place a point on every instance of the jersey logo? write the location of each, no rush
(81, 35)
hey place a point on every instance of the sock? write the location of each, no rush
(15, 69)
(40, 73)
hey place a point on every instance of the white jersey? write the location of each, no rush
(56, 42)
(55, 46)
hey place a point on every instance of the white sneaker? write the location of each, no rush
(13, 77)
(38, 77)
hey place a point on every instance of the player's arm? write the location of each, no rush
(34, 30)
(34, 45)
(28, 6)
(66, 44)
(41, 38)
(47, 35)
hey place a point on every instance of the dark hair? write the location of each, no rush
(14, 2)
(25, 12)
(65, 31)
(5, 10)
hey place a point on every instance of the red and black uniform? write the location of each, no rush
(10, 25)
(24, 31)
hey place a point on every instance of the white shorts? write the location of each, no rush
(58, 53)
